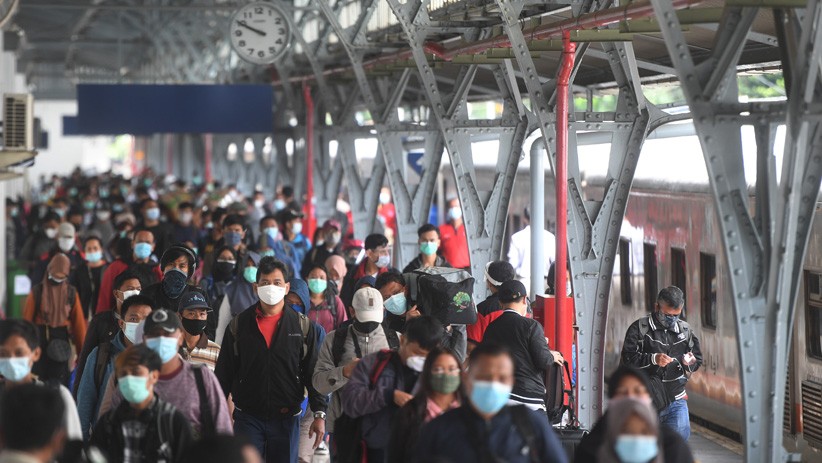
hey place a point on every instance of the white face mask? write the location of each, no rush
(130, 332)
(271, 294)
(65, 244)
(415, 362)
(128, 294)
(51, 233)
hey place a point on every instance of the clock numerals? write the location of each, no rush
(241, 43)
(250, 51)
(238, 33)
(272, 50)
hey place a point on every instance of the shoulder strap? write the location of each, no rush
(71, 295)
(233, 327)
(519, 415)
(331, 300)
(207, 427)
(383, 357)
(338, 344)
(305, 327)
(38, 300)
(103, 354)
(392, 338)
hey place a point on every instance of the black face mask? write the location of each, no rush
(223, 271)
(195, 327)
(174, 282)
(366, 327)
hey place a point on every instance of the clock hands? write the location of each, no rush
(253, 29)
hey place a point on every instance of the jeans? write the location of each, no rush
(277, 439)
(675, 416)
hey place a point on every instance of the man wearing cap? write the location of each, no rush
(197, 348)
(496, 273)
(66, 244)
(331, 235)
(377, 260)
(525, 339)
(343, 348)
(178, 264)
(192, 389)
(291, 225)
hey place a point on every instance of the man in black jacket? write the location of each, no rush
(266, 362)
(665, 348)
(525, 339)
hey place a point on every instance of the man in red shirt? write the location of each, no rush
(454, 240)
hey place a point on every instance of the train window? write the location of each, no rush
(651, 279)
(813, 304)
(625, 272)
(679, 274)
(707, 289)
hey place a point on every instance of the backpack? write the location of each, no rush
(349, 446)
(445, 293)
(341, 334)
(207, 426)
(103, 357)
(555, 391)
(305, 327)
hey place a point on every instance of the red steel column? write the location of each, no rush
(309, 159)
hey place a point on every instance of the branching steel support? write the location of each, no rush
(765, 256)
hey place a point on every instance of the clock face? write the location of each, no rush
(260, 32)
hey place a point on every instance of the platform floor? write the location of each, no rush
(710, 447)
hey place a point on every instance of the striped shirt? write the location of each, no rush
(205, 352)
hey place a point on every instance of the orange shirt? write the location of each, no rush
(268, 325)
(454, 245)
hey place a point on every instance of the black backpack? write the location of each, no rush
(444, 293)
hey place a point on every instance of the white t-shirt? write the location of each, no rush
(519, 254)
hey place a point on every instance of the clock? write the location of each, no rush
(260, 32)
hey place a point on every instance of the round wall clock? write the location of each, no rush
(260, 32)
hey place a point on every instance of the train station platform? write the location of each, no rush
(710, 447)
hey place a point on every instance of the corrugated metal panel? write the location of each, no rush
(812, 412)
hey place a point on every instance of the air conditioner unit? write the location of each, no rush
(18, 122)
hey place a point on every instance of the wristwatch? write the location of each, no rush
(320, 415)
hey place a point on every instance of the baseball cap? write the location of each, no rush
(290, 214)
(193, 300)
(498, 272)
(511, 291)
(65, 230)
(331, 223)
(367, 305)
(352, 244)
(163, 319)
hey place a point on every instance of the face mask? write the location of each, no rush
(103, 216)
(383, 261)
(366, 327)
(60, 212)
(636, 449)
(223, 269)
(133, 388)
(445, 384)
(174, 282)
(165, 347)
(279, 204)
(272, 232)
(142, 251)
(56, 281)
(233, 238)
(297, 228)
(51, 233)
(129, 293)
(65, 244)
(267, 253)
(94, 257)
(271, 294)
(72, 192)
(339, 284)
(130, 331)
(490, 396)
(250, 274)
(153, 213)
(14, 213)
(396, 304)
(89, 205)
(668, 321)
(333, 239)
(455, 213)
(185, 218)
(195, 327)
(15, 369)
(258, 203)
(428, 248)
(209, 225)
(384, 198)
(317, 285)
(104, 194)
(117, 208)
(415, 362)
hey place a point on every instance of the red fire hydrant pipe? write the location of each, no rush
(561, 178)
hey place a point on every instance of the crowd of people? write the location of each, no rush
(184, 322)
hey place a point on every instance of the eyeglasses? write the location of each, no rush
(452, 371)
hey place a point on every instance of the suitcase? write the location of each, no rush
(444, 293)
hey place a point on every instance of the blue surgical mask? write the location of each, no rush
(297, 228)
(142, 251)
(490, 396)
(267, 253)
(454, 213)
(429, 248)
(133, 388)
(279, 204)
(636, 449)
(233, 238)
(272, 232)
(153, 213)
(383, 261)
(165, 347)
(15, 369)
(130, 331)
(94, 257)
(396, 304)
(250, 274)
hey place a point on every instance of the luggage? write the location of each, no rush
(570, 437)
(444, 293)
(557, 393)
